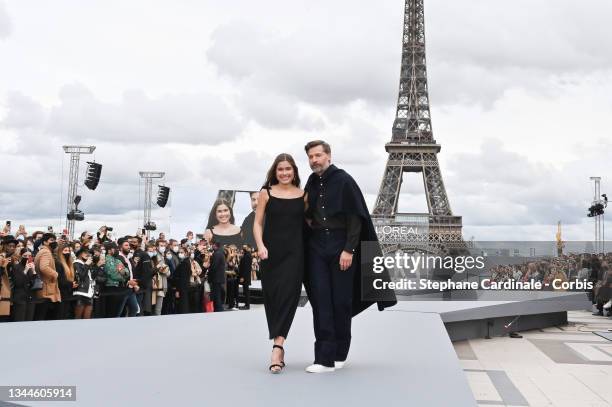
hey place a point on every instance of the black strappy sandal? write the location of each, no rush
(282, 363)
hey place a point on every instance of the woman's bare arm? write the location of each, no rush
(259, 216)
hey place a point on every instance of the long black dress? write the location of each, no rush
(283, 271)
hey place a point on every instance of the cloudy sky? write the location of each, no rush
(210, 92)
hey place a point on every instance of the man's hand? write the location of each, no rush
(346, 259)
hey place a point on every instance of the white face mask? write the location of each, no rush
(162, 249)
(152, 254)
(182, 256)
(175, 249)
(169, 256)
(192, 255)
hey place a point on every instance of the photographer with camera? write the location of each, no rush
(103, 234)
(22, 275)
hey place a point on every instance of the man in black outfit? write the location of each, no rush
(246, 230)
(216, 276)
(142, 269)
(339, 220)
(244, 275)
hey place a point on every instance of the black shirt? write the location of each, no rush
(320, 220)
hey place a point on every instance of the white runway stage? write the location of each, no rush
(397, 358)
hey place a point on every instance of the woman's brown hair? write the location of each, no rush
(271, 175)
(66, 264)
(212, 217)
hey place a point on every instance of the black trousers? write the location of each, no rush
(217, 296)
(113, 298)
(195, 298)
(47, 310)
(232, 292)
(331, 296)
(23, 311)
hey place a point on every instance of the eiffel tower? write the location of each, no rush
(413, 149)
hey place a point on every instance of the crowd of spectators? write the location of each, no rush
(46, 276)
(595, 268)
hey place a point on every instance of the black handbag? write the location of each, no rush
(36, 284)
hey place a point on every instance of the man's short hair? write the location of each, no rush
(315, 143)
(47, 236)
(110, 245)
(122, 240)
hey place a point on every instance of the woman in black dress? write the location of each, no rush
(221, 229)
(281, 250)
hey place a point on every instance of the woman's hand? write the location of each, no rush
(263, 253)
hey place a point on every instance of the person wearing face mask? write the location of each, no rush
(162, 272)
(21, 276)
(7, 262)
(65, 268)
(30, 245)
(49, 296)
(124, 255)
(143, 273)
(181, 281)
(172, 261)
(84, 290)
(36, 242)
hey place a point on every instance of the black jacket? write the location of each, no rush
(82, 276)
(247, 230)
(143, 271)
(182, 274)
(20, 283)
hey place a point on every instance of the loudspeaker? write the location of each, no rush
(93, 175)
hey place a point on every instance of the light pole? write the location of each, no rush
(596, 211)
(148, 177)
(73, 182)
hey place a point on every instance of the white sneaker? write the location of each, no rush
(338, 364)
(316, 368)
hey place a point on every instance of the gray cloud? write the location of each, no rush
(477, 50)
(79, 117)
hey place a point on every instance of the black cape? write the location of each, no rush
(344, 196)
